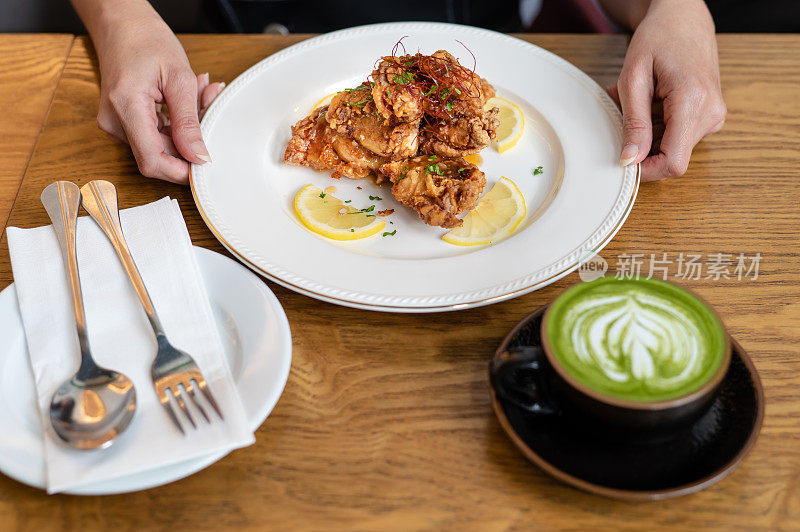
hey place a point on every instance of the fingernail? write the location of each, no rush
(200, 150)
(205, 77)
(221, 85)
(628, 155)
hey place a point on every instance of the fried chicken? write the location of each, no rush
(316, 145)
(438, 189)
(488, 90)
(394, 95)
(459, 136)
(459, 91)
(410, 124)
(352, 113)
(409, 86)
(449, 97)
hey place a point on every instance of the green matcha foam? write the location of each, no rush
(637, 339)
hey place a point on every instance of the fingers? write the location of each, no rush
(140, 124)
(209, 94)
(202, 82)
(153, 134)
(180, 93)
(689, 115)
(635, 93)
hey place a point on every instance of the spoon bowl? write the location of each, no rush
(90, 414)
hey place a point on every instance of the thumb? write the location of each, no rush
(180, 93)
(635, 91)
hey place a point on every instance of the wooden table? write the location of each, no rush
(31, 66)
(386, 420)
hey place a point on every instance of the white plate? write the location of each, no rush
(573, 130)
(258, 347)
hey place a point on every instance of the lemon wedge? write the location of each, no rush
(328, 216)
(496, 215)
(512, 123)
(324, 101)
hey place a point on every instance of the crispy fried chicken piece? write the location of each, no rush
(460, 135)
(488, 89)
(438, 189)
(468, 100)
(316, 145)
(455, 122)
(408, 86)
(394, 95)
(353, 114)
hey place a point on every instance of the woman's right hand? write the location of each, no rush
(143, 66)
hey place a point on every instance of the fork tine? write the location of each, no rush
(165, 403)
(176, 392)
(207, 393)
(193, 396)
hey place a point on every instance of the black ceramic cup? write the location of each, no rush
(532, 378)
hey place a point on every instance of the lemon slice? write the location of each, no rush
(512, 123)
(329, 216)
(496, 215)
(324, 101)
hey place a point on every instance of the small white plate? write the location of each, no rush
(258, 347)
(575, 206)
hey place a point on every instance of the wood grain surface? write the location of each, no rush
(30, 66)
(386, 419)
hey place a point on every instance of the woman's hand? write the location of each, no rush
(672, 59)
(143, 66)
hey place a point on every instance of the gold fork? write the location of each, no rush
(173, 371)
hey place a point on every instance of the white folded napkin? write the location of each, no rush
(121, 339)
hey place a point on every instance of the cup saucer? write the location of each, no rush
(687, 461)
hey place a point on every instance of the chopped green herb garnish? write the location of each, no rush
(321, 194)
(374, 198)
(432, 158)
(449, 106)
(352, 230)
(434, 169)
(462, 168)
(404, 79)
(538, 170)
(369, 209)
(390, 234)
(348, 201)
(433, 89)
(455, 89)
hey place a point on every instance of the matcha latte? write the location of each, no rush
(636, 339)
